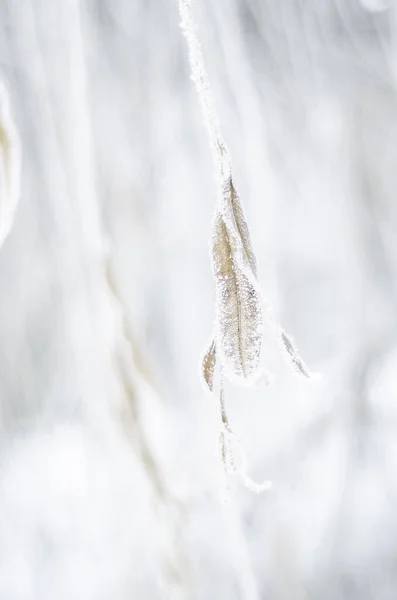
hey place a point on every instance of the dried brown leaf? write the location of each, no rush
(239, 314)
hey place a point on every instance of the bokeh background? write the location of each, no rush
(109, 475)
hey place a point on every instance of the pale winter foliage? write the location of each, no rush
(238, 326)
(109, 455)
(239, 315)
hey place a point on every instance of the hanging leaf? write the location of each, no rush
(239, 314)
(208, 365)
(236, 225)
(238, 332)
(292, 356)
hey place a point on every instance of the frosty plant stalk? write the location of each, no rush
(237, 338)
(9, 166)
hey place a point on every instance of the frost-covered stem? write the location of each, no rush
(226, 433)
(227, 437)
(203, 88)
(9, 165)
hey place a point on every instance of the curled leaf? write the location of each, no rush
(236, 224)
(208, 365)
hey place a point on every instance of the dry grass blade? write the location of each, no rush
(239, 314)
(208, 366)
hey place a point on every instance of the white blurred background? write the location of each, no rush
(109, 473)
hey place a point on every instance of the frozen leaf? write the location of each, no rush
(233, 216)
(208, 365)
(293, 358)
(297, 363)
(239, 314)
